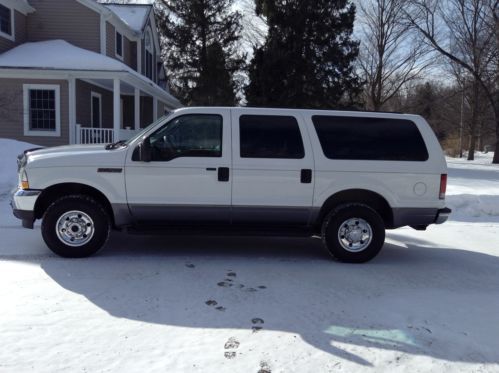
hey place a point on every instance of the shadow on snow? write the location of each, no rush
(413, 298)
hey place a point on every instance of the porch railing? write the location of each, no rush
(86, 135)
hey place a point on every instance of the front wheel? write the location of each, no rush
(353, 233)
(75, 226)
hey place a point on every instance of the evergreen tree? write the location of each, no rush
(201, 39)
(308, 57)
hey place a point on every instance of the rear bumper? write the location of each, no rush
(442, 215)
(23, 206)
(419, 217)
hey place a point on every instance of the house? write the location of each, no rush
(78, 71)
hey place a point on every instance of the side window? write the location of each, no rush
(119, 45)
(270, 136)
(5, 21)
(379, 139)
(193, 135)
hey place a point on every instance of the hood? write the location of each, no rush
(76, 156)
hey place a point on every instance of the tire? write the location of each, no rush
(353, 233)
(75, 226)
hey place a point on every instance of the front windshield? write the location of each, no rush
(148, 128)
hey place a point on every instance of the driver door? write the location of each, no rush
(188, 179)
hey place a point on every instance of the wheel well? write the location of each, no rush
(372, 199)
(52, 193)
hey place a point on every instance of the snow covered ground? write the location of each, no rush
(429, 302)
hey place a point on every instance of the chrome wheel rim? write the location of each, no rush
(75, 228)
(355, 235)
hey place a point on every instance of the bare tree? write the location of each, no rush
(392, 54)
(465, 32)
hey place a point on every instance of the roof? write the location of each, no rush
(61, 55)
(20, 5)
(133, 15)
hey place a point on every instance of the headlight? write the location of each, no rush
(23, 180)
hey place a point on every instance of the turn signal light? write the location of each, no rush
(24, 181)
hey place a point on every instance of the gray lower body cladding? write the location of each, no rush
(240, 215)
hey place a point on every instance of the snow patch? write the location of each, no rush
(473, 189)
(135, 16)
(468, 205)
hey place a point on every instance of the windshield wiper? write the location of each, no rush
(116, 145)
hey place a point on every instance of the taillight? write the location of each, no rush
(443, 186)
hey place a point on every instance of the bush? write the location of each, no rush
(451, 147)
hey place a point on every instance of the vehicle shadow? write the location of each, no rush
(414, 298)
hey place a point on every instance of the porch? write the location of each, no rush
(108, 110)
(84, 97)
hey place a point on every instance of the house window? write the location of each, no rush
(42, 105)
(119, 45)
(149, 52)
(6, 22)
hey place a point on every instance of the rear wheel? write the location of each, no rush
(75, 226)
(353, 233)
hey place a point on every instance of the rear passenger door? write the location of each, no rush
(273, 181)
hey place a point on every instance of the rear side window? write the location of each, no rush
(270, 136)
(377, 139)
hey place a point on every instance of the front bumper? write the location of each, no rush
(442, 215)
(23, 206)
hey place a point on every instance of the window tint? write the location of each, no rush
(42, 110)
(5, 21)
(195, 135)
(370, 138)
(119, 44)
(265, 136)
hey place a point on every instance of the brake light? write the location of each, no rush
(443, 186)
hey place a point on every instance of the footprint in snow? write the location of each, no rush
(231, 344)
(190, 265)
(257, 324)
(264, 367)
(213, 303)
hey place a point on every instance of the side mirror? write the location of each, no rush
(143, 152)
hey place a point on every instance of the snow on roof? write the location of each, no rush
(58, 55)
(133, 15)
(61, 55)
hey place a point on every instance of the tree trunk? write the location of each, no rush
(471, 148)
(474, 122)
(496, 150)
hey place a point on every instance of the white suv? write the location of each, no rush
(344, 176)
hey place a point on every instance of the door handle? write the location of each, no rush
(223, 174)
(306, 176)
